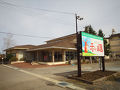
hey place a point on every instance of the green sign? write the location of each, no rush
(92, 45)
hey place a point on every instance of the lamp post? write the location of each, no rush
(78, 46)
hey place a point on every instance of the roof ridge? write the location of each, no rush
(61, 37)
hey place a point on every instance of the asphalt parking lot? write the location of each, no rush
(60, 73)
(15, 80)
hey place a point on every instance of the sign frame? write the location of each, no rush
(92, 45)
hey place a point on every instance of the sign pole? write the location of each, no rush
(103, 64)
(100, 63)
(103, 60)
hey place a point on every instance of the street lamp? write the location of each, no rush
(78, 46)
(77, 18)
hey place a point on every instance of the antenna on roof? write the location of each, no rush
(113, 31)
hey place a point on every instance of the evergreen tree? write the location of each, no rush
(100, 33)
(106, 45)
(90, 30)
(86, 29)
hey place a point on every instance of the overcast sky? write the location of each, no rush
(26, 17)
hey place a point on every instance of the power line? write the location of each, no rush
(23, 35)
(54, 17)
(54, 11)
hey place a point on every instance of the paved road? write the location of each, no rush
(60, 72)
(11, 79)
(14, 80)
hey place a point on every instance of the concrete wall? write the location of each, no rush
(18, 53)
(115, 47)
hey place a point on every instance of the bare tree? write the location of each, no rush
(9, 41)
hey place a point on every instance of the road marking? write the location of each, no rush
(42, 77)
(11, 67)
(68, 85)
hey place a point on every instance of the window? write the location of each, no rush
(58, 56)
(46, 56)
(71, 55)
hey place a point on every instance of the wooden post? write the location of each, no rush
(37, 57)
(103, 64)
(53, 56)
(63, 55)
(79, 52)
(99, 59)
(91, 60)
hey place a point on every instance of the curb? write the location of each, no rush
(113, 76)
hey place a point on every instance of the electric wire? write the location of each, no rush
(46, 10)
(24, 35)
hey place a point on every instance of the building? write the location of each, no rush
(55, 51)
(2, 56)
(19, 51)
(114, 41)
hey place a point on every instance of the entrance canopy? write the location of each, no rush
(52, 47)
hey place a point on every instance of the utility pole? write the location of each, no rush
(79, 51)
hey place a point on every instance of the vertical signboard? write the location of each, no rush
(92, 45)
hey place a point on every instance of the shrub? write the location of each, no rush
(13, 59)
(6, 61)
(9, 56)
(22, 59)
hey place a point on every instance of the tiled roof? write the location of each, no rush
(25, 46)
(61, 38)
(62, 42)
(115, 35)
(56, 44)
(21, 47)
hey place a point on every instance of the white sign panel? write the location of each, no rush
(92, 45)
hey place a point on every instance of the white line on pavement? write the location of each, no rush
(70, 85)
(39, 76)
(10, 67)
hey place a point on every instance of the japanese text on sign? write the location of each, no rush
(92, 45)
